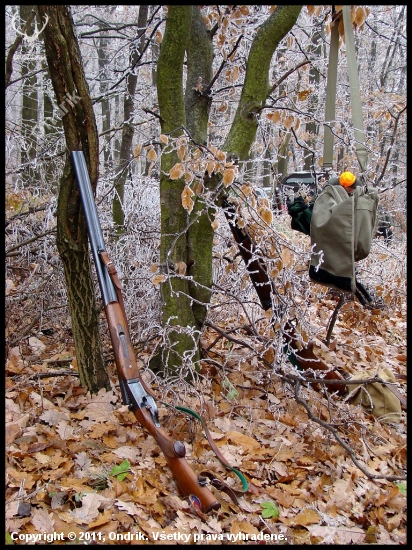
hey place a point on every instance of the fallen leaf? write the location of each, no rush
(307, 517)
(36, 345)
(89, 509)
(43, 521)
(53, 417)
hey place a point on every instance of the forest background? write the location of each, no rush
(169, 122)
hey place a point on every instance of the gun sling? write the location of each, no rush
(135, 393)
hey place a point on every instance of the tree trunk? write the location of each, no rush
(256, 86)
(176, 311)
(103, 61)
(66, 71)
(197, 108)
(192, 244)
(312, 127)
(52, 126)
(267, 170)
(30, 105)
(281, 165)
(128, 127)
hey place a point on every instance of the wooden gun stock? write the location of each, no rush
(141, 401)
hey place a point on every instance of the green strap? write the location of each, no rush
(225, 464)
(354, 89)
(356, 103)
(330, 97)
(209, 437)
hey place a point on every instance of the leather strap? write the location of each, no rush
(221, 485)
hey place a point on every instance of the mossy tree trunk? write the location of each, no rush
(176, 302)
(197, 108)
(66, 71)
(256, 86)
(184, 303)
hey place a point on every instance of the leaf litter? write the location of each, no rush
(77, 463)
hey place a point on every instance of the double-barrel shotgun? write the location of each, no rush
(135, 393)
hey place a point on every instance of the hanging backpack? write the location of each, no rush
(341, 232)
(342, 225)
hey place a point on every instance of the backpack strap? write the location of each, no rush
(357, 118)
(356, 103)
(330, 97)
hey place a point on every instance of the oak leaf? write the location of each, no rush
(157, 279)
(137, 150)
(42, 521)
(53, 417)
(151, 154)
(307, 517)
(89, 509)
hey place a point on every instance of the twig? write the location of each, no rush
(52, 361)
(53, 374)
(334, 432)
(15, 45)
(333, 319)
(26, 330)
(28, 241)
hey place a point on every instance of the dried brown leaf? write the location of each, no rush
(42, 521)
(54, 416)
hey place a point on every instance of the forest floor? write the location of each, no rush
(79, 468)
(320, 470)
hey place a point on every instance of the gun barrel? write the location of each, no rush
(93, 226)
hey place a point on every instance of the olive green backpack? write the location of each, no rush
(341, 232)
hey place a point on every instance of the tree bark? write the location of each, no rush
(30, 105)
(256, 86)
(197, 108)
(128, 127)
(66, 71)
(103, 61)
(176, 309)
(312, 127)
(184, 301)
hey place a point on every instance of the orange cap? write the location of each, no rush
(347, 179)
